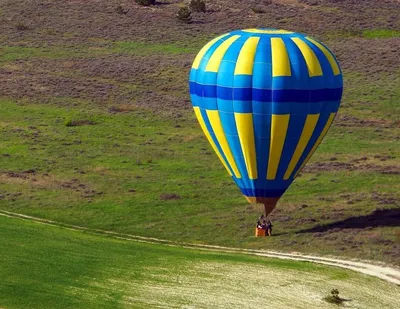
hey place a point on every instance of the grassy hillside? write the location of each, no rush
(50, 267)
(97, 128)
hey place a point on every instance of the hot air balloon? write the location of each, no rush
(265, 98)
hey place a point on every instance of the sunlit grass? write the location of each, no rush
(51, 267)
(381, 33)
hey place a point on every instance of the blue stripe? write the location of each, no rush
(266, 95)
(262, 192)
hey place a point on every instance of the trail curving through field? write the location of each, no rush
(387, 273)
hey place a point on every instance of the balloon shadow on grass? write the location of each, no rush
(377, 218)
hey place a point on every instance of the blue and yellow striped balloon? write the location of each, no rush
(265, 99)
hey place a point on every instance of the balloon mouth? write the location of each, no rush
(269, 202)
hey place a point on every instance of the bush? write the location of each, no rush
(258, 10)
(21, 27)
(121, 108)
(311, 2)
(79, 122)
(197, 6)
(120, 10)
(145, 2)
(184, 14)
(334, 297)
(169, 196)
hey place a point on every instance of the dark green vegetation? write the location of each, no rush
(97, 128)
(334, 298)
(50, 267)
(184, 14)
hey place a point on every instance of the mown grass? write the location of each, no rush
(51, 267)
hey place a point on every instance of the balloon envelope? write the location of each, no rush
(265, 99)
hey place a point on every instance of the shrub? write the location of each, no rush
(197, 6)
(258, 10)
(261, 2)
(79, 122)
(145, 2)
(120, 10)
(169, 196)
(122, 108)
(334, 298)
(21, 27)
(184, 14)
(311, 2)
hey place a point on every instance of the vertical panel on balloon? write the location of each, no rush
(283, 76)
(279, 126)
(214, 138)
(216, 58)
(327, 79)
(207, 55)
(203, 51)
(245, 60)
(280, 58)
(210, 139)
(329, 56)
(245, 128)
(205, 89)
(229, 127)
(225, 87)
(262, 68)
(218, 130)
(192, 75)
(225, 74)
(294, 129)
(196, 100)
(306, 134)
(313, 65)
(322, 127)
(262, 129)
(300, 78)
(234, 143)
(262, 76)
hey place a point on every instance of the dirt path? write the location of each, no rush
(382, 271)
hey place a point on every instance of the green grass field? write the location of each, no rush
(97, 131)
(150, 175)
(51, 267)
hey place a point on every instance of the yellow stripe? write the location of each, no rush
(328, 55)
(279, 127)
(308, 130)
(216, 57)
(271, 31)
(244, 63)
(245, 128)
(207, 134)
(280, 58)
(327, 125)
(313, 65)
(202, 52)
(216, 125)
